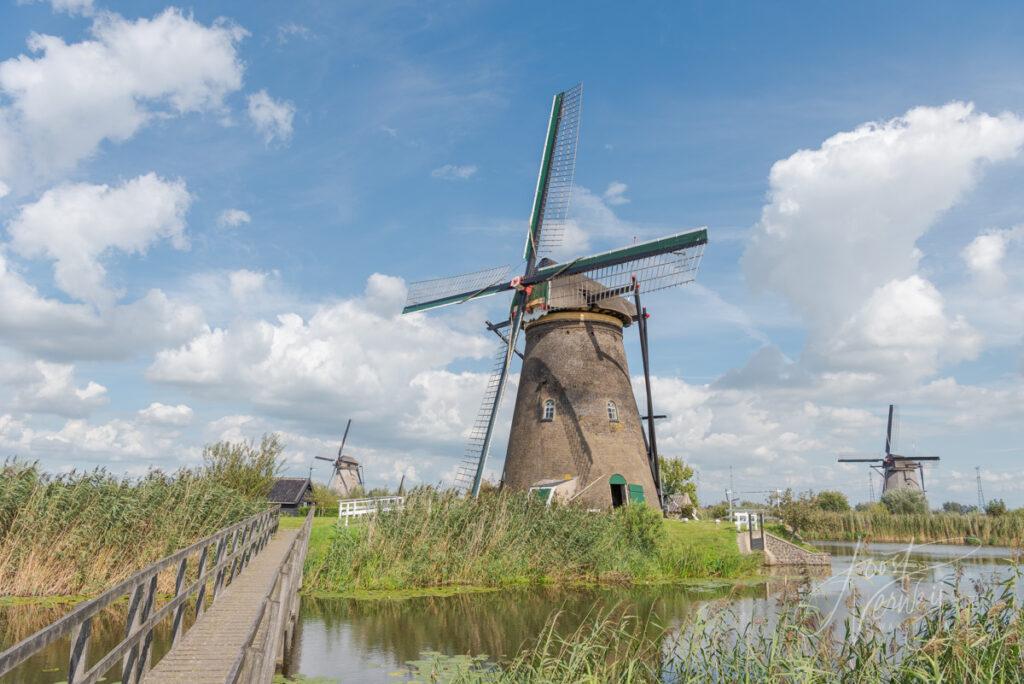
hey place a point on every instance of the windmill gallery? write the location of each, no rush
(576, 428)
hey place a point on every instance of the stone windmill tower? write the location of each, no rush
(348, 474)
(898, 472)
(576, 429)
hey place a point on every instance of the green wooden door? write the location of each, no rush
(636, 493)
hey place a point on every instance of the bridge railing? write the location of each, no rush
(272, 629)
(353, 508)
(233, 547)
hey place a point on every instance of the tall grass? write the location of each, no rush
(80, 532)
(963, 639)
(1003, 530)
(502, 539)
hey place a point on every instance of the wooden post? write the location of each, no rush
(218, 579)
(132, 623)
(179, 612)
(79, 651)
(200, 569)
(145, 646)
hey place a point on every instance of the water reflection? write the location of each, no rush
(371, 641)
(346, 640)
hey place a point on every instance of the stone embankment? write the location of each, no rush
(778, 551)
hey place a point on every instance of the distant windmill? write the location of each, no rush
(898, 472)
(576, 427)
(348, 474)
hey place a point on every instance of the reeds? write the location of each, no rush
(80, 532)
(1002, 530)
(965, 638)
(501, 539)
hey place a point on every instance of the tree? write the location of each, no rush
(795, 511)
(995, 507)
(958, 508)
(717, 511)
(677, 478)
(905, 501)
(834, 501)
(245, 467)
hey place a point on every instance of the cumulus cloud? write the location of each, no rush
(272, 118)
(454, 172)
(985, 254)
(75, 224)
(358, 356)
(65, 99)
(43, 387)
(46, 327)
(163, 414)
(615, 193)
(838, 237)
(232, 218)
(245, 283)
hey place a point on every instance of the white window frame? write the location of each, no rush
(549, 405)
(613, 412)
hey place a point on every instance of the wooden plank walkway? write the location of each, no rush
(208, 650)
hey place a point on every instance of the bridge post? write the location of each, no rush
(79, 651)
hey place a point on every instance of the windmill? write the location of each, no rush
(576, 420)
(348, 474)
(898, 472)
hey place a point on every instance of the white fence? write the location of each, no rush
(351, 508)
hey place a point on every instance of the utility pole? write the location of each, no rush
(871, 486)
(981, 495)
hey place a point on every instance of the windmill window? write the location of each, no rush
(549, 410)
(613, 412)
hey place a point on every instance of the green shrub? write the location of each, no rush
(244, 467)
(905, 501)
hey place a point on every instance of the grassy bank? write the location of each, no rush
(504, 539)
(79, 533)
(965, 638)
(1003, 530)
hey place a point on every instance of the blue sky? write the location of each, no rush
(208, 212)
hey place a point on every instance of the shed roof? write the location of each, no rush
(290, 490)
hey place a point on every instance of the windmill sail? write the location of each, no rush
(554, 181)
(430, 294)
(474, 460)
(657, 264)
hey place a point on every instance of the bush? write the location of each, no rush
(244, 467)
(832, 501)
(905, 501)
(995, 507)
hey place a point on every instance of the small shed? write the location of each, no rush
(291, 493)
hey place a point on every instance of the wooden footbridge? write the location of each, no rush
(238, 589)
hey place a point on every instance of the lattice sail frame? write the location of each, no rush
(562, 169)
(428, 294)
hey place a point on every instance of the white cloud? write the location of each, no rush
(43, 387)
(454, 172)
(985, 254)
(163, 414)
(245, 283)
(75, 224)
(272, 118)
(82, 7)
(232, 218)
(615, 193)
(290, 30)
(71, 97)
(57, 330)
(357, 357)
(5, 189)
(838, 236)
